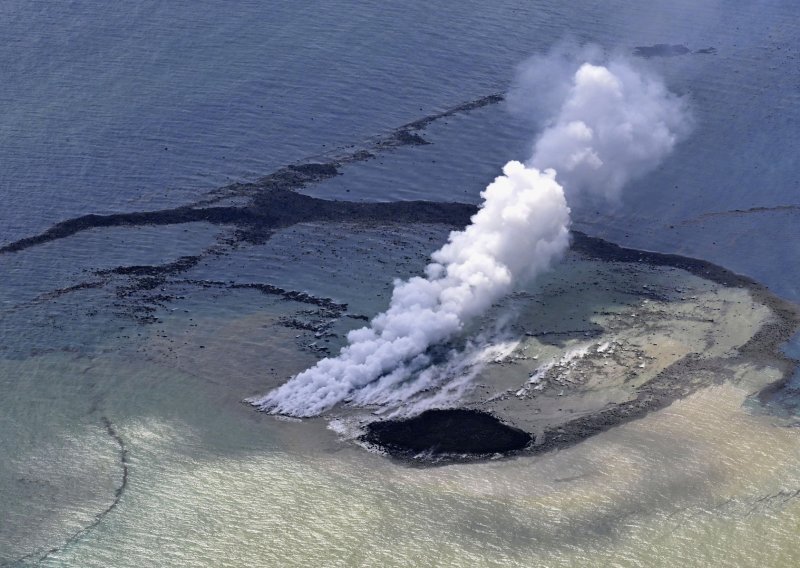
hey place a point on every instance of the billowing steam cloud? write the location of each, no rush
(612, 124)
(519, 231)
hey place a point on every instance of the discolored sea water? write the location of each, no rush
(127, 444)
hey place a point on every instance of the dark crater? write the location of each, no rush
(440, 433)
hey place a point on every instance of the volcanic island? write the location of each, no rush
(610, 335)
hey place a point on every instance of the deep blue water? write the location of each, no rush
(142, 105)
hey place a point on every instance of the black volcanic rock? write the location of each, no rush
(442, 432)
(661, 50)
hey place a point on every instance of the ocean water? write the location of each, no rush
(127, 445)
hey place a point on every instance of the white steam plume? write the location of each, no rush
(519, 231)
(613, 124)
